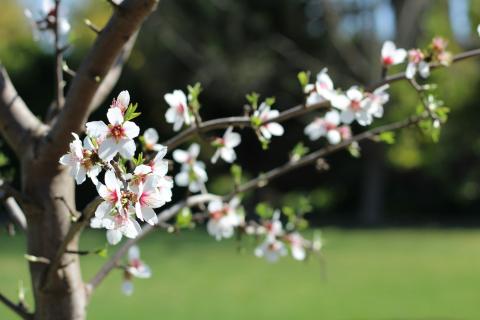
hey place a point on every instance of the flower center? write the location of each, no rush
(355, 105)
(388, 60)
(180, 108)
(117, 131)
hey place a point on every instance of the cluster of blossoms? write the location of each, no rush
(132, 188)
(354, 105)
(357, 105)
(277, 241)
(46, 20)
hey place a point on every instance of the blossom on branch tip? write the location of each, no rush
(134, 268)
(391, 55)
(178, 113)
(116, 137)
(264, 114)
(417, 64)
(224, 218)
(192, 173)
(225, 146)
(82, 159)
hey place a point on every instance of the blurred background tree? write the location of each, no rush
(235, 47)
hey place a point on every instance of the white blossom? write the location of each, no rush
(375, 100)
(225, 146)
(353, 107)
(322, 90)
(264, 113)
(391, 55)
(192, 173)
(328, 126)
(297, 246)
(271, 249)
(43, 20)
(116, 137)
(178, 112)
(224, 218)
(122, 102)
(417, 64)
(82, 160)
(150, 137)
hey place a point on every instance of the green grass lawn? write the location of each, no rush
(395, 274)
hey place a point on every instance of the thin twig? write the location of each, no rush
(19, 308)
(91, 26)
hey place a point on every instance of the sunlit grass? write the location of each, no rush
(396, 274)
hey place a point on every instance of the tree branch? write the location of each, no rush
(122, 26)
(19, 308)
(243, 121)
(258, 182)
(18, 125)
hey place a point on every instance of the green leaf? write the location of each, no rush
(184, 219)
(236, 172)
(130, 113)
(264, 210)
(298, 151)
(252, 98)
(193, 94)
(387, 137)
(303, 78)
(270, 101)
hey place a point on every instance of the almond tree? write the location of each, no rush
(134, 188)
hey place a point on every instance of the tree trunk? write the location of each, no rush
(52, 189)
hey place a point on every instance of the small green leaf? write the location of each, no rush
(184, 218)
(387, 137)
(303, 78)
(252, 98)
(270, 101)
(298, 151)
(236, 172)
(264, 210)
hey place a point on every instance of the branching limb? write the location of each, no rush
(18, 125)
(108, 46)
(19, 308)
(252, 184)
(293, 112)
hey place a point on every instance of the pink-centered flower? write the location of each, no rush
(353, 107)
(265, 113)
(116, 137)
(147, 197)
(224, 218)
(225, 146)
(271, 249)
(417, 64)
(391, 55)
(192, 172)
(83, 160)
(328, 126)
(297, 246)
(178, 113)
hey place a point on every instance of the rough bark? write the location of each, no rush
(63, 295)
